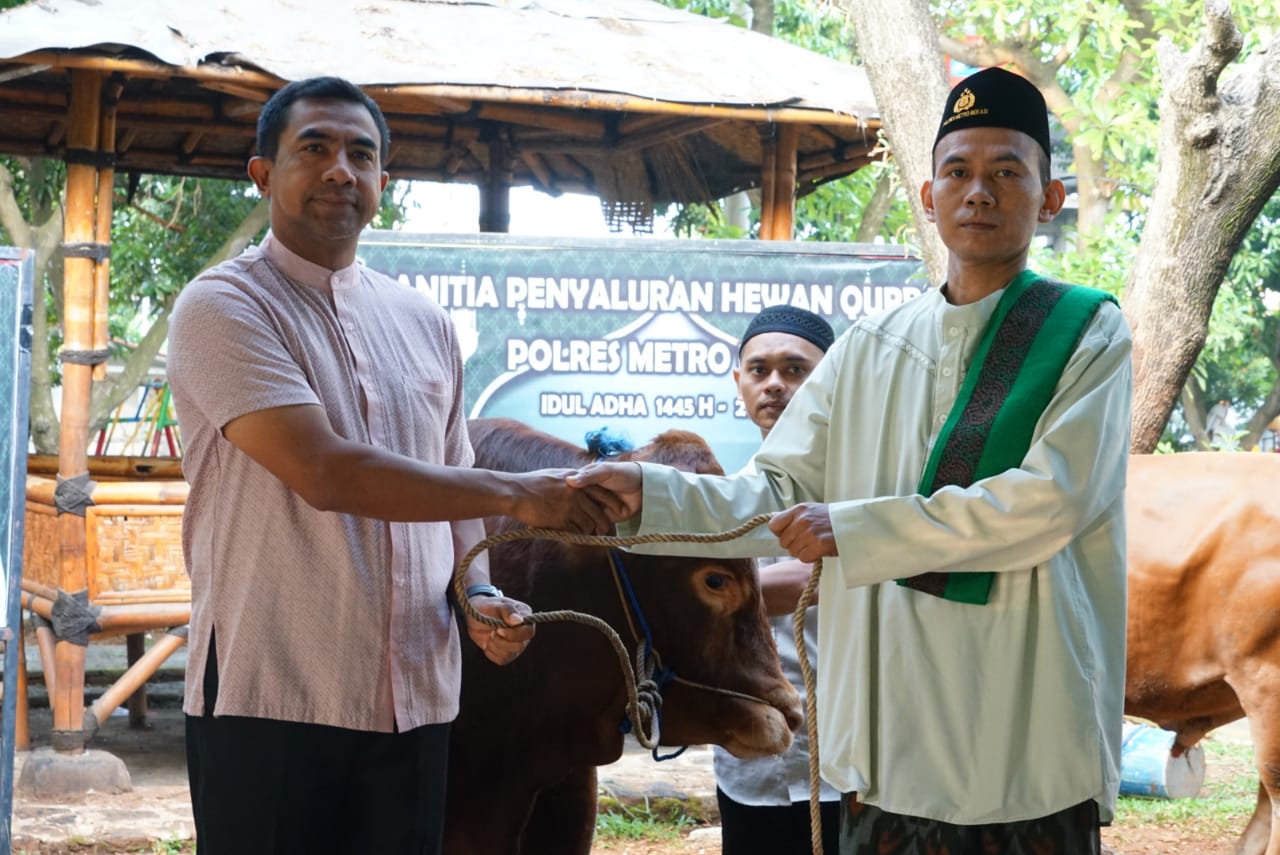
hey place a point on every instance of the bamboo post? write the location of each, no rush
(44, 643)
(22, 713)
(77, 381)
(495, 197)
(784, 184)
(135, 647)
(102, 227)
(133, 679)
(768, 180)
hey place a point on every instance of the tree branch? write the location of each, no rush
(876, 209)
(108, 396)
(11, 219)
(1193, 410)
(1130, 64)
(1192, 79)
(122, 199)
(1258, 423)
(1139, 12)
(1219, 164)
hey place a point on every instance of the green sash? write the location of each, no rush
(1024, 349)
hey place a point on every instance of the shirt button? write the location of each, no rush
(946, 372)
(954, 331)
(942, 420)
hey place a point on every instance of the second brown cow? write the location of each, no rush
(1204, 607)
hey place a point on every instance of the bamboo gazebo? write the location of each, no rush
(631, 101)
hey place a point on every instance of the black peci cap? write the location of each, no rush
(792, 321)
(995, 98)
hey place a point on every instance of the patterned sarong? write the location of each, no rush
(867, 830)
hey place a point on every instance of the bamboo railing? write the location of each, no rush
(132, 569)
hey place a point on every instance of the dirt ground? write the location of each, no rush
(1128, 836)
(1133, 840)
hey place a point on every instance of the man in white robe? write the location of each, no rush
(984, 723)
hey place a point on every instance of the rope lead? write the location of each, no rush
(807, 598)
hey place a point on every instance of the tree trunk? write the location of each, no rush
(43, 413)
(898, 43)
(1194, 411)
(1219, 157)
(762, 16)
(44, 237)
(876, 210)
(1264, 416)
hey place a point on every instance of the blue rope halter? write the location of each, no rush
(662, 675)
(605, 444)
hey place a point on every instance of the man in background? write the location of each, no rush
(764, 801)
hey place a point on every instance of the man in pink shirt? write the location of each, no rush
(332, 493)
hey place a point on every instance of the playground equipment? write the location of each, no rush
(152, 421)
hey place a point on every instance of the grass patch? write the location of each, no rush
(1223, 806)
(654, 820)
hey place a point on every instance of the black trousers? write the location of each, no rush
(780, 830)
(266, 787)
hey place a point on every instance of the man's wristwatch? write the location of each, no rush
(484, 591)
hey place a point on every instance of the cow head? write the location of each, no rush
(708, 624)
(706, 616)
(723, 682)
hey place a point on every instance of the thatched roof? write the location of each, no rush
(623, 98)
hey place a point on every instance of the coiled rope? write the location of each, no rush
(644, 697)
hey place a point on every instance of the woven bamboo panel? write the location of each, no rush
(135, 554)
(40, 545)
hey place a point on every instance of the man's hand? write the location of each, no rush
(782, 583)
(805, 531)
(547, 500)
(503, 644)
(616, 486)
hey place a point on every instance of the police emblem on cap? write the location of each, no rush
(995, 98)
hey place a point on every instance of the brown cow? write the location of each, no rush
(525, 747)
(1204, 607)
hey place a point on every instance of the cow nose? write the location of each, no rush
(788, 703)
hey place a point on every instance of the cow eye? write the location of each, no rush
(716, 581)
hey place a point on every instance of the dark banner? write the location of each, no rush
(572, 335)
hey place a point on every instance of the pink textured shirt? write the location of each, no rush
(320, 617)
